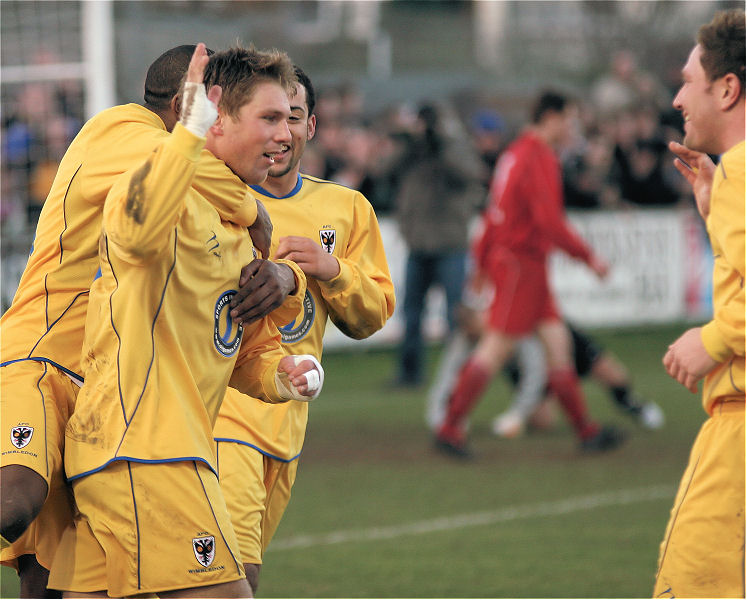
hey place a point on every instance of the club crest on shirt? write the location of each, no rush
(298, 329)
(328, 238)
(204, 549)
(20, 435)
(226, 334)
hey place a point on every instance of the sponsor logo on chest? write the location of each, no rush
(226, 333)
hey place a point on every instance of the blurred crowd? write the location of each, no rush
(39, 121)
(618, 157)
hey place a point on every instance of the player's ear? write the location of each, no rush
(731, 90)
(310, 127)
(175, 105)
(217, 127)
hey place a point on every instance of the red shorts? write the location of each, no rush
(522, 297)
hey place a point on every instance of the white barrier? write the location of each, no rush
(660, 272)
(653, 255)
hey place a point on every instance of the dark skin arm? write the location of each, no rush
(261, 230)
(263, 286)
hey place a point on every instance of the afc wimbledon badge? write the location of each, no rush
(21, 435)
(328, 239)
(204, 548)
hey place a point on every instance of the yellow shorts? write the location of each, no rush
(147, 528)
(702, 555)
(36, 400)
(257, 490)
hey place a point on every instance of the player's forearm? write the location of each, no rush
(289, 310)
(144, 204)
(723, 336)
(213, 178)
(570, 242)
(258, 384)
(359, 303)
(257, 363)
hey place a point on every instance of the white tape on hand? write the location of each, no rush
(314, 380)
(197, 113)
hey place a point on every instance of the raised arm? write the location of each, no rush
(145, 203)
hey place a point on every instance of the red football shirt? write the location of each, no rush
(525, 213)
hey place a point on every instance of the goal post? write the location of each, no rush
(58, 70)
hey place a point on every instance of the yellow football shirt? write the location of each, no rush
(159, 346)
(723, 336)
(358, 301)
(46, 319)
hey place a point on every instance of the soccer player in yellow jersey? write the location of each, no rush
(332, 233)
(42, 332)
(702, 554)
(160, 347)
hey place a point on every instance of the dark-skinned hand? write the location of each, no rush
(263, 286)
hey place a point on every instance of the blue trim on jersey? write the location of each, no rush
(145, 461)
(41, 359)
(301, 178)
(152, 339)
(297, 188)
(46, 313)
(327, 181)
(64, 210)
(258, 449)
(236, 562)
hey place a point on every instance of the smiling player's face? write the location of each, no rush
(249, 142)
(697, 102)
(302, 127)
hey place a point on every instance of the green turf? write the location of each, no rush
(368, 465)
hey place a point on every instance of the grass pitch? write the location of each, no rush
(377, 513)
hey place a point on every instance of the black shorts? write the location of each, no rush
(585, 351)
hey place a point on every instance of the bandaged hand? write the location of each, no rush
(198, 109)
(198, 113)
(299, 377)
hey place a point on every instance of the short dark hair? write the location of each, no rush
(304, 80)
(722, 41)
(166, 73)
(548, 101)
(239, 70)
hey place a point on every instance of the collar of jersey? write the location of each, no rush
(297, 188)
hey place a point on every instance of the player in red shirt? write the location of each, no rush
(522, 224)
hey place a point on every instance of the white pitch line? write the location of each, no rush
(503, 515)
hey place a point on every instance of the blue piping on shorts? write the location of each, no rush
(153, 461)
(72, 374)
(272, 456)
